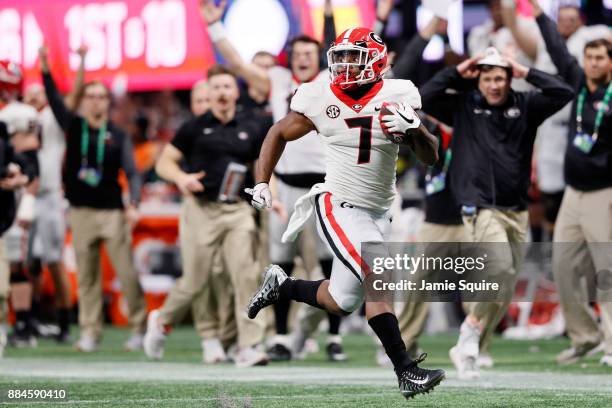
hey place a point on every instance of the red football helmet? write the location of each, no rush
(358, 56)
(11, 77)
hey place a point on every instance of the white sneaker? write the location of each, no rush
(465, 353)
(484, 360)
(154, 338)
(212, 351)
(86, 344)
(606, 360)
(134, 343)
(249, 357)
(3, 339)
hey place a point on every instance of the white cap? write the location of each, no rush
(493, 57)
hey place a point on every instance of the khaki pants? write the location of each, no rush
(414, 315)
(4, 282)
(90, 227)
(492, 225)
(213, 307)
(584, 217)
(204, 229)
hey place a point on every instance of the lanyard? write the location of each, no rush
(600, 111)
(447, 159)
(85, 144)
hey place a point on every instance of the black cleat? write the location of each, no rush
(278, 352)
(268, 294)
(415, 380)
(335, 352)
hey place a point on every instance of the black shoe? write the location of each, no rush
(415, 380)
(268, 294)
(335, 352)
(278, 352)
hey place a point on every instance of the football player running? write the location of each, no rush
(352, 205)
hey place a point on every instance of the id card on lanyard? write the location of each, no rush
(437, 183)
(92, 176)
(583, 141)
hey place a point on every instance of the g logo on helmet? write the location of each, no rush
(374, 37)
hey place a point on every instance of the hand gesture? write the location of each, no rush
(537, 10)
(210, 12)
(190, 183)
(82, 51)
(468, 69)
(383, 9)
(132, 215)
(518, 70)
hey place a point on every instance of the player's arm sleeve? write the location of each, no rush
(441, 95)
(554, 95)
(129, 167)
(60, 111)
(410, 57)
(566, 64)
(183, 139)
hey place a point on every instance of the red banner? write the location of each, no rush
(140, 45)
(136, 44)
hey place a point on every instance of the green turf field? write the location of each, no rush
(525, 376)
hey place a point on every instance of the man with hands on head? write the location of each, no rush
(95, 152)
(494, 131)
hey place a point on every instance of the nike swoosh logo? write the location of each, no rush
(410, 121)
(377, 109)
(421, 382)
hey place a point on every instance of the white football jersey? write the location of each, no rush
(360, 161)
(307, 154)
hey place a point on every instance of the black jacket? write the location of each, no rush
(492, 146)
(118, 155)
(585, 172)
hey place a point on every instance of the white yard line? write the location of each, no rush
(66, 371)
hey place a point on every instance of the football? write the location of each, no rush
(393, 137)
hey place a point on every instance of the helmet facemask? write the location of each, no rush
(352, 65)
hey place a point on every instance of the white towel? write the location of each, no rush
(302, 211)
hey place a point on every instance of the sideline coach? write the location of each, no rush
(495, 128)
(216, 147)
